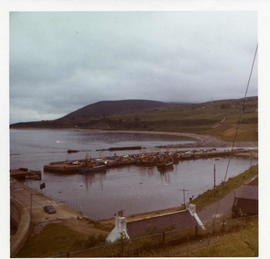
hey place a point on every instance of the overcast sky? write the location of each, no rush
(60, 62)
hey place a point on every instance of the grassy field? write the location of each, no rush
(217, 118)
(56, 239)
(239, 243)
(240, 239)
(53, 239)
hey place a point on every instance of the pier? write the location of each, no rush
(25, 173)
(144, 159)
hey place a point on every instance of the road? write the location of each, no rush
(30, 198)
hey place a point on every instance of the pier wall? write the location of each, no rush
(22, 218)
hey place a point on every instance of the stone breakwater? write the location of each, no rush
(143, 159)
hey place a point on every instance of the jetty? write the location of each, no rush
(25, 173)
(159, 159)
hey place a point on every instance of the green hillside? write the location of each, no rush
(217, 118)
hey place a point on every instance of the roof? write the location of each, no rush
(180, 220)
(249, 192)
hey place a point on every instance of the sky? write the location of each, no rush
(62, 61)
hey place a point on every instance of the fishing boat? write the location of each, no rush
(63, 167)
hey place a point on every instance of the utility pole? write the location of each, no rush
(214, 176)
(184, 195)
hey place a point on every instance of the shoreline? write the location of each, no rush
(201, 140)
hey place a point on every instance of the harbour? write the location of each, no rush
(94, 185)
(136, 189)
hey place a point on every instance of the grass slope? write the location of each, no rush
(53, 239)
(225, 188)
(240, 243)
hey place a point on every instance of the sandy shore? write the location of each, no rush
(201, 140)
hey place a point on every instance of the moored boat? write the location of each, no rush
(62, 167)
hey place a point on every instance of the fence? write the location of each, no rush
(134, 246)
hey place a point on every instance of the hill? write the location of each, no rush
(96, 111)
(218, 118)
(106, 108)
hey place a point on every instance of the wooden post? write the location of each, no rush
(163, 238)
(196, 230)
(223, 225)
(213, 226)
(208, 239)
(122, 244)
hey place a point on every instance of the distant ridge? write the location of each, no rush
(106, 108)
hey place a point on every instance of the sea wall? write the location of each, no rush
(22, 218)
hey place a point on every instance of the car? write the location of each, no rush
(49, 209)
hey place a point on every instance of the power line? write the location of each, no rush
(242, 110)
(237, 125)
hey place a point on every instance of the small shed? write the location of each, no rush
(246, 201)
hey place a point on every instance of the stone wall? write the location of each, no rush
(22, 219)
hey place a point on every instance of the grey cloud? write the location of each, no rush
(62, 61)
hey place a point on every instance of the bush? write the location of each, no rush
(94, 240)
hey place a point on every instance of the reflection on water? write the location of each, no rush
(165, 176)
(136, 189)
(95, 177)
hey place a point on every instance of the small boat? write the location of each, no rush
(92, 169)
(72, 151)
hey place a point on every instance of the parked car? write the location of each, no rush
(49, 209)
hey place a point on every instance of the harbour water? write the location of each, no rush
(35, 148)
(132, 189)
